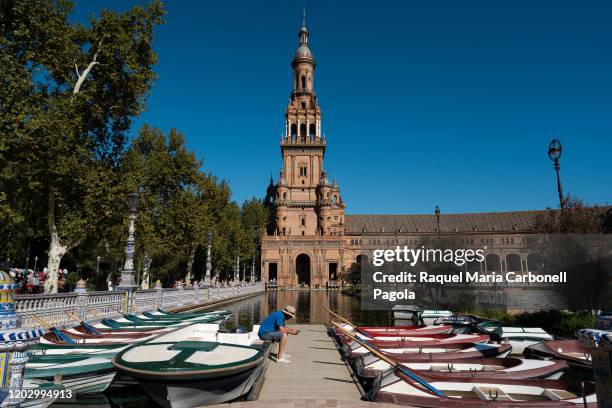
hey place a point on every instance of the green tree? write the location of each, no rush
(176, 198)
(576, 218)
(230, 241)
(69, 93)
(572, 242)
(254, 216)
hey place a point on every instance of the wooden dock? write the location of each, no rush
(315, 378)
(316, 370)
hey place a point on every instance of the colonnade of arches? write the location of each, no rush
(305, 131)
(495, 263)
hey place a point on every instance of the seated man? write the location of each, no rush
(273, 329)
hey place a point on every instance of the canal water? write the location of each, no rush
(311, 308)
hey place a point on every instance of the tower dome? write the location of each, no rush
(303, 53)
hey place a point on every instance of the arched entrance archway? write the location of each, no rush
(513, 263)
(362, 259)
(302, 269)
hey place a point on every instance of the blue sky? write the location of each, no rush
(425, 103)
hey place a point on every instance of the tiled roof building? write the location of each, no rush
(492, 222)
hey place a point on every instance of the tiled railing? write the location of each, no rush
(68, 309)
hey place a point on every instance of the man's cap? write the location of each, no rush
(290, 310)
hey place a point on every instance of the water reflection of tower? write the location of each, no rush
(303, 305)
(271, 305)
(317, 309)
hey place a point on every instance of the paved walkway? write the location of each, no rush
(308, 403)
(316, 377)
(316, 370)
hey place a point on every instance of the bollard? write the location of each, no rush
(13, 343)
(180, 294)
(160, 292)
(599, 342)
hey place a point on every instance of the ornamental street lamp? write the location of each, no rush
(437, 211)
(237, 269)
(208, 260)
(255, 230)
(252, 280)
(554, 152)
(98, 266)
(35, 262)
(127, 274)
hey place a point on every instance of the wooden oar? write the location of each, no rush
(347, 322)
(73, 316)
(393, 363)
(42, 322)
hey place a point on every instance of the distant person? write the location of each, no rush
(273, 329)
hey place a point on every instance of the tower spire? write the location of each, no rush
(304, 15)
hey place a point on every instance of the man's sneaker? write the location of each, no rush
(286, 355)
(283, 360)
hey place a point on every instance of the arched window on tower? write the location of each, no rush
(293, 131)
(303, 131)
(303, 82)
(313, 131)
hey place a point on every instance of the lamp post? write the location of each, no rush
(127, 273)
(437, 211)
(35, 262)
(554, 152)
(237, 269)
(98, 266)
(208, 260)
(255, 230)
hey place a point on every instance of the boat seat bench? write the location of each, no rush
(199, 345)
(491, 393)
(559, 394)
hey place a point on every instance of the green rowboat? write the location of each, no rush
(192, 367)
(81, 374)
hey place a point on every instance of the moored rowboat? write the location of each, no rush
(57, 336)
(182, 315)
(369, 367)
(399, 388)
(408, 344)
(522, 337)
(51, 391)
(191, 367)
(574, 352)
(394, 331)
(448, 352)
(93, 350)
(79, 374)
(86, 328)
(131, 322)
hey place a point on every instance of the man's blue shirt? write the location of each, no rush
(272, 323)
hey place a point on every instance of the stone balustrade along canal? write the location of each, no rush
(68, 309)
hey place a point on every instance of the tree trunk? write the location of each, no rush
(190, 261)
(56, 252)
(146, 261)
(56, 249)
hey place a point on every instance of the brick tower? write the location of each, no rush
(303, 202)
